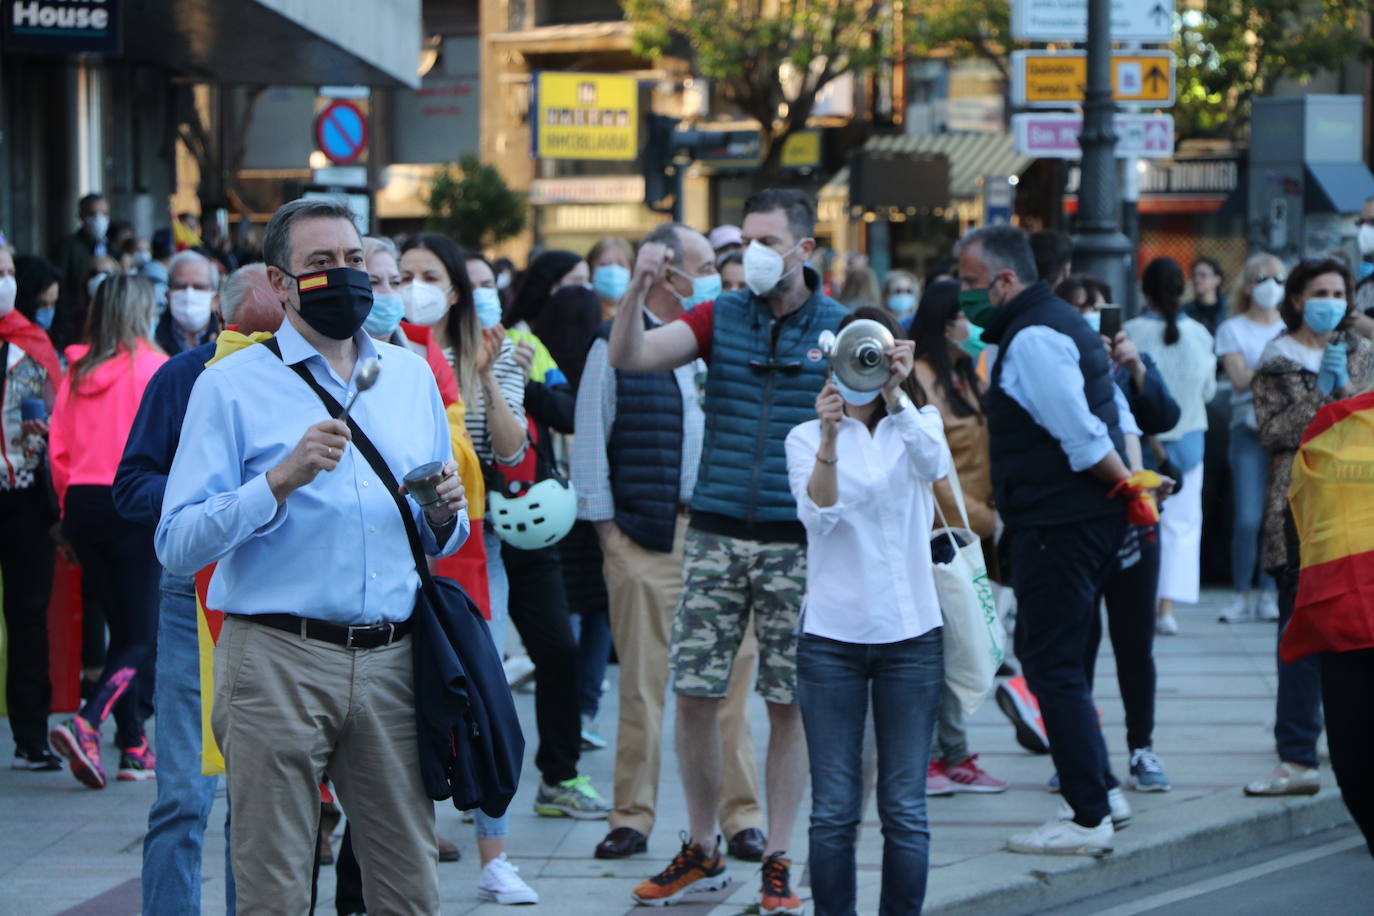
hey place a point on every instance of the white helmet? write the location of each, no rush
(539, 517)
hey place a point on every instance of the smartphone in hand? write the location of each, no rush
(1111, 321)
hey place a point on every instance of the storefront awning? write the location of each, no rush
(281, 42)
(1338, 187)
(972, 157)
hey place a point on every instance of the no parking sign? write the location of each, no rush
(341, 131)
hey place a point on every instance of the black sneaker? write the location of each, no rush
(39, 760)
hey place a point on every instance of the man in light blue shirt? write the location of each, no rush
(313, 669)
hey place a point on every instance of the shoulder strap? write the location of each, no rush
(374, 458)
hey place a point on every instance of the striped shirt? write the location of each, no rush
(511, 378)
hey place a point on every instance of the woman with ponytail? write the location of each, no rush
(1182, 349)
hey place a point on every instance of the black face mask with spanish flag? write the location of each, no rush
(335, 302)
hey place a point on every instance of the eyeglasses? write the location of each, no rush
(1277, 278)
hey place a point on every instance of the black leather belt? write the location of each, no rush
(367, 636)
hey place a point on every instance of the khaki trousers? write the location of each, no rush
(286, 710)
(643, 586)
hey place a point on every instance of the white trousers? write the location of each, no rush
(1180, 541)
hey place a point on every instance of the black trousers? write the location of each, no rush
(1057, 572)
(118, 560)
(27, 554)
(539, 610)
(1130, 590)
(1347, 687)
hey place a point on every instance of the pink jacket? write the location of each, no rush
(88, 428)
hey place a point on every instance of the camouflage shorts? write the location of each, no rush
(724, 579)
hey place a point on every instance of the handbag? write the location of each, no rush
(470, 744)
(974, 640)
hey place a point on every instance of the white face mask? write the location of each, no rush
(763, 267)
(97, 224)
(1268, 295)
(190, 307)
(425, 303)
(1364, 238)
(8, 290)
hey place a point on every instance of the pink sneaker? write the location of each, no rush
(970, 777)
(76, 740)
(137, 763)
(937, 783)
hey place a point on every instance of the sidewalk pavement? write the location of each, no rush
(66, 849)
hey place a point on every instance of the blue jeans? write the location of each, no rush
(1249, 483)
(834, 681)
(1298, 706)
(177, 821)
(492, 828)
(593, 632)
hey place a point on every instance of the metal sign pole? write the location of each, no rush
(1099, 247)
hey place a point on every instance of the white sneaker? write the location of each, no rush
(501, 883)
(1121, 809)
(1287, 779)
(519, 671)
(1065, 838)
(1238, 611)
(1268, 606)
(1166, 625)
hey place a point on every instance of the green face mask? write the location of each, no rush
(977, 306)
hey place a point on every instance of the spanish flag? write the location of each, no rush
(1332, 498)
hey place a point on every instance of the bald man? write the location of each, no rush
(176, 823)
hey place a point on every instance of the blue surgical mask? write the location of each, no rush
(856, 398)
(43, 316)
(1322, 314)
(901, 303)
(704, 289)
(387, 311)
(1094, 320)
(610, 281)
(488, 303)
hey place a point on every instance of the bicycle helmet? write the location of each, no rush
(540, 516)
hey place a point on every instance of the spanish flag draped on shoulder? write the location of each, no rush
(1332, 498)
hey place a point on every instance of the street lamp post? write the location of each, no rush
(1100, 248)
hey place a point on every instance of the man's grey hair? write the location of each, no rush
(194, 257)
(245, 285)
(669, 235)
(276, 240)
(1003, 248)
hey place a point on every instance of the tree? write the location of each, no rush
(770, 57)
(1231, 51)
(977, 29)
(474, 206)
(214, 129)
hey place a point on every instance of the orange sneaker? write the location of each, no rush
(690, 871)
(776, 897)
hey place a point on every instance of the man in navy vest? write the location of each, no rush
(745, 550)
(1065, 495)
(634, 466)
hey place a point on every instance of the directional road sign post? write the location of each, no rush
(1055, 136)
(1054, 79)
(1148, 21)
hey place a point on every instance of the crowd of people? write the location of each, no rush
(643, 454)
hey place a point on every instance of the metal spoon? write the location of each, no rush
(363, 379)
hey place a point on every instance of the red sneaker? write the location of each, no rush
(1016, 700)
(968, 776)
(937, 783)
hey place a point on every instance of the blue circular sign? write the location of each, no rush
(341, 131)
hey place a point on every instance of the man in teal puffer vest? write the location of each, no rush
(745, 550)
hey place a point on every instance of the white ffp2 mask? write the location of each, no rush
(763, 267)
(425, 303)
(1268, 294)
(190, 307)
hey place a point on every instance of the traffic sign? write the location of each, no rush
(1054, 79)
(341, 131)
(1055, 136)
(1149, 21)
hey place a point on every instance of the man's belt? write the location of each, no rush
(366, 636)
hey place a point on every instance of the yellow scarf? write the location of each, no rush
(229, 342)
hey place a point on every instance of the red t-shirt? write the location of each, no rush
(699, 320)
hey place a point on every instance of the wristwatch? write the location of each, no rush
(903, 402)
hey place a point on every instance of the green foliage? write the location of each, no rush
(1231, 51)
(743, 44)
(967, 29)
(473, 205)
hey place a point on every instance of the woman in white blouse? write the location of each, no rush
(861, 475)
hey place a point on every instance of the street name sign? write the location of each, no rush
(1149, 21)
(1043, 135)
(1055, 79)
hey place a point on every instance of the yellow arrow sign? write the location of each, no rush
(1043, 79)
